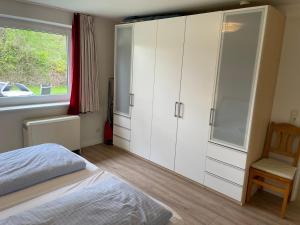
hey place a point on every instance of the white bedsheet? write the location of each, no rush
(39, 194)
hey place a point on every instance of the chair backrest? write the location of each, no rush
(283, 139)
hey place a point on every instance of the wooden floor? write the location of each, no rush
(195, 204)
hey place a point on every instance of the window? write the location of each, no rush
(34, 62)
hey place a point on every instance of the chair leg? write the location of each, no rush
(286, 196)
(250, 183)
(291, 190)
(284, 205)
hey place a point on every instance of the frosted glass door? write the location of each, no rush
(123, 45)
(236, 73)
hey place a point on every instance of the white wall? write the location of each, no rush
(287, 95)
(91, 123)
(288, 84)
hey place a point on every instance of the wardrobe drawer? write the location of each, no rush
(220, 185)
(121, 143)
(228, 172)
(227, 155)
(122, 132)
(122, 121)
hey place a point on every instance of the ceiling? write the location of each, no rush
(123, 8)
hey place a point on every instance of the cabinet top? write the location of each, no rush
(254, 8)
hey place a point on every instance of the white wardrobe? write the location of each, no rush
(199, 94)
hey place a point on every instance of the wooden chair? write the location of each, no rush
(282, 139)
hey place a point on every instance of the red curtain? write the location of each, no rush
(75, 66)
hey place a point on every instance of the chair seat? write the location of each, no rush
(275, 167)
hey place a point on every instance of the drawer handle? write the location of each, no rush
(131, 99)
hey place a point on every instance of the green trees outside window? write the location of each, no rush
(34, 59)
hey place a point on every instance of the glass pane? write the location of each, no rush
(239, 48)
(32, 63)
(123, 69)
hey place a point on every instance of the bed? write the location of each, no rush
(53, 189)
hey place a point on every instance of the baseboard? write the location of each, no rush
(91, 142)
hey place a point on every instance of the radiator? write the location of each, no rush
(64, 130)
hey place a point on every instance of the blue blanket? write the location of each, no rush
(107, 202)
(25, 167)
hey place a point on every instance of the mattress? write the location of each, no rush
(53, 189)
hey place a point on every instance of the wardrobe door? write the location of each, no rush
(123, 49)
(241, 45)
(142, 87)
(169, 52)
(197, 85)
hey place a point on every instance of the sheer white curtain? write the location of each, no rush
(89, 74)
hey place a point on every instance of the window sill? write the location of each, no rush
(33, 106)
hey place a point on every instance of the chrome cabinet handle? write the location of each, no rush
(181, 110)
(211, 117)
(176, 109)
(131, 99)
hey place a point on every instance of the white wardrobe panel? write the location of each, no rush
(227, 155)
(121, 142)
(169, 50)
(142, 87)
(197, 85)
(225, 171)
(223, 186)
(121, 132)
(122, 121)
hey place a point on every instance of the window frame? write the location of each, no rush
(14, 22)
